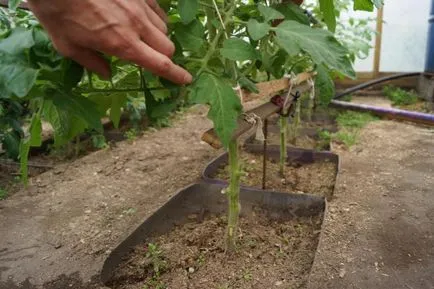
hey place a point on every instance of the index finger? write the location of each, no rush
(159, 64)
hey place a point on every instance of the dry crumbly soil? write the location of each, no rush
(317, 178)
(379, 229)
(269, 254)
(378, 233)
(70, 218)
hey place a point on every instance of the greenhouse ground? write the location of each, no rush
(378, 232)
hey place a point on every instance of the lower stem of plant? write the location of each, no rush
(295, 123)
(233, 194)
(283, 140)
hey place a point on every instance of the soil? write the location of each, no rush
(270, 253)
(316, 178)
(379, 229)
(378, 232)
(308, 132)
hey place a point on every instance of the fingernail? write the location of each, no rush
(188, 78)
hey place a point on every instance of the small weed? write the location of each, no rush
(201, 259)
(99, 141)
(3, 194)
(325, 136)
(400, 96)
(154, 284)
(347, 98)
(352, 119)
(159, 265)
(247, 275)
(131, 134)
(347, 137)
(130, 211)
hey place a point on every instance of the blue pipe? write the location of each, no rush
(429, 64)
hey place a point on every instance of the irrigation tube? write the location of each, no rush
(376, 81)
(390, 113)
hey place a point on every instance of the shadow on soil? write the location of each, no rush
(63, 281)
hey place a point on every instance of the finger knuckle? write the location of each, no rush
(164, 66)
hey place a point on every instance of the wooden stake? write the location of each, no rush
(378, 38)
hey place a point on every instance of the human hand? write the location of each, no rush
(133, 30)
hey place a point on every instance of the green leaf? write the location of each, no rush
(66, 124)
(188, 10)
(269, 13)
(72, 74)
(364, 5)
(191, 36)
(257, 30)
(225, 104)
(70, 115)
(13, 4)
(17, 42)
(11, 143)
(34, 139)
(238, 50)
(156, 109)
(118, 102)
(327, 8)
(16, 78)
(293, 12)
(324, 85)
(248, 84)
(320, 44)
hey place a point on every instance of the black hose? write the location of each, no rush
(375, 81)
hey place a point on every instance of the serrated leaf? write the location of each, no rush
(188, 10)
(320, 44)
(293, 12)
(16, 78)
(191, 36)
(327, 8)
(19, 40)
(225, 104)
(257, 30)
(238, 50)
(66, 124)
(364, 5)
(269, 13)
(157, 109)
(324, 85)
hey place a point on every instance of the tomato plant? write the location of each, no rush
(223, 43)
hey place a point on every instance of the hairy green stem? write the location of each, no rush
(283, 140)
(295, 123)
(215, 41)
(233, 194)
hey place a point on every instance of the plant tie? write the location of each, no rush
(257, 122)
(239, 90)
(312, 85)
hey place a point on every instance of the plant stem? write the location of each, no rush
(295, 123)
(215, 41)
(233, 193)
(283, 140)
